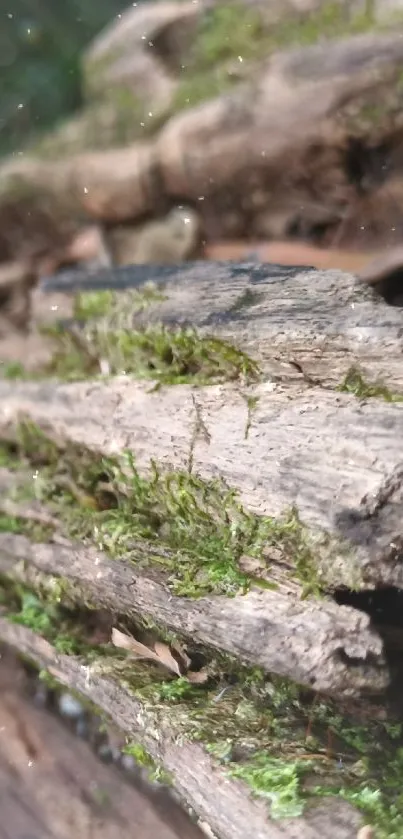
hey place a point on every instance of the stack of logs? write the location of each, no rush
(293, 439)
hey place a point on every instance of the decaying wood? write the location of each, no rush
(331, 456)
(295, 322)
(329, 648)
(223, 803)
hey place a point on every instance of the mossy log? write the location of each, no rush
(298, 323)
(252, 507)
(329, 648)
(330, 455)
(222, 802)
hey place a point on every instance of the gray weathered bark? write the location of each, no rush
(290, 440)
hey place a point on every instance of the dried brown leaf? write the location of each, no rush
(198, 677)
(160, 654)
(166, 658)
(366, 832)
(181, 652)
(127, 642)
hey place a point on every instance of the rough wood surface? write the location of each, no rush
(329, 648)
(52, 786)
(322, 321)
(289, 442)
(333, 457)
(225, 804)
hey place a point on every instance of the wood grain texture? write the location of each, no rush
(334, 458)
(324, 321)
(223, 803)
(331, 649)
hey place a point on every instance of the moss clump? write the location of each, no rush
(287, 746)
(168, 356)
(12, 370)
(69, 629)
(355, 383)
(103, 341)
(35, 531)
(194, 532)
(154, 770)
(233, 33)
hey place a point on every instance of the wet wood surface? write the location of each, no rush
(52, 785)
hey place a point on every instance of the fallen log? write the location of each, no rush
(296, 323)
(230, 521)
(230, 813)
(327, 454)
(329, 648)
(51, 782)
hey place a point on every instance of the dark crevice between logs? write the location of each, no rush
(384, 606)
(391, 288)
(366, 166)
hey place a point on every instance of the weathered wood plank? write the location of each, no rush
(333, 457)
(331, 649)
(222, 802)
(324, 321)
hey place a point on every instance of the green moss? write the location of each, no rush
(355, 383)
(233, 33)
(45, 609)
(287, 746)
(107, 344)
(12, 370)
(155, 771)
(194, 532)
(35, 531)
(278, 781)
(169, 356)
(92, 304)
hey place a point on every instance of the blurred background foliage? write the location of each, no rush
(40, 46)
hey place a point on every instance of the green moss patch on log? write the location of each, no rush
(202, 536)
(288, 746)
(232, 34)
(69, 628)
(104, 341)
(35, 531)
(355, 382)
